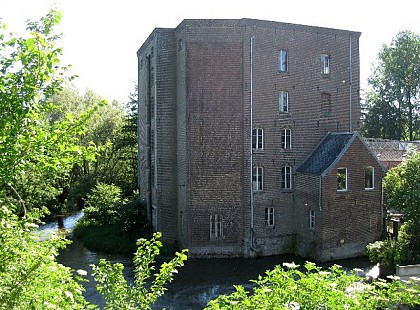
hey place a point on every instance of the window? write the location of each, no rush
(257, 179)
(216, 226)
(325, 64)
(286, 181)
(286, 139)
(269, 216)
(326, 104)
(342, 179)
(284, 101)
(312, 219)
(369, 178)
(257, 138)
(283, 61)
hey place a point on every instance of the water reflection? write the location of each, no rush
(196, 283)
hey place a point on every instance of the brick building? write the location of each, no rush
(229, 111)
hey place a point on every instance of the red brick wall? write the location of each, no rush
(215, 137)
(352, 218)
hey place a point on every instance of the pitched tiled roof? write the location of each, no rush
(327, 152)
(390, 150)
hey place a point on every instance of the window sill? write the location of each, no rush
(342, 190)
(369, 189)
(257, 151)
(287, 190)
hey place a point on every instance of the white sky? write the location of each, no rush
(101, 37)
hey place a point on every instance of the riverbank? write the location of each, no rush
(198, 282)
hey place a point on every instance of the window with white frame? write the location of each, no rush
(257, 179)
(284, 101)
(257, 138)
(286, 181)
(369, 178)
(269, 216)
(341, 179)
(216, 226)
(312, 219)
(283, 61)
(325, 64)
(286, 139)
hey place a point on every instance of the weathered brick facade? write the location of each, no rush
(196, 89)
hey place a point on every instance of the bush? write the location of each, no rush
(103, 205)
(400, 251)
(111, 224)
(311, 287)
(382, 252)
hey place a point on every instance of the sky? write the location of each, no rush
(101, 37)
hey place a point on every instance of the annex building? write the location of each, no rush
(248, 140)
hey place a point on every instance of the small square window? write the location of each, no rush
(269, 216)
(369, 178)
(312, 219)
(284, 101)
(257, 138)
(283, 61)
(341, 179)
(257, 179)
(325, 64)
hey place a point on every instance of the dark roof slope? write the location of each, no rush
(330, 148)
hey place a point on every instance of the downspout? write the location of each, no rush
(350, 85)
(320, 193)
(155, 140)
(382, 208)
(250, 145)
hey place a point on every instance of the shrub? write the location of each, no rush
(382, 252)
(313, 288)
(149, 284)
(103, 205)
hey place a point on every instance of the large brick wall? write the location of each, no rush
(305, 85)
(199, 163)
(345, 221)
(214, 130)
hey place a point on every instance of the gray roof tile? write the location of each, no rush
(326, 153)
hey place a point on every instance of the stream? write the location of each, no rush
(198, 282)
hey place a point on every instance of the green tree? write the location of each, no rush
(147, 287)
(402, 187)
(30, 75)
(394, 102)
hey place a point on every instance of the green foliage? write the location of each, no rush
(394, 102)
(103, 204)
(401, 185)
(110, 224)
(314, 288)
(147, 288)
(33, 149)
(114, 132)
(30, 278)
(35, 153)
(383, 252)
